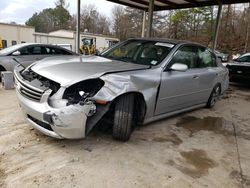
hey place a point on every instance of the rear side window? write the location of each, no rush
(206, 58)
(186, 55)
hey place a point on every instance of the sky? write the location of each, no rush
(20, 11)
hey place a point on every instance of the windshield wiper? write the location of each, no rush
(18, 62)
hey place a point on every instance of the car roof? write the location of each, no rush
(32, 43)
(246, 54)
(172, 41)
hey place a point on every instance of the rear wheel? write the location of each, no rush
(123, 117)
(214, 97)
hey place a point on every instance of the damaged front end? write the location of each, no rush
(57, 111)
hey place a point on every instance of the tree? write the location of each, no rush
(51, 19)
(93, 21)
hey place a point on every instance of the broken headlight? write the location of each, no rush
(82, 90)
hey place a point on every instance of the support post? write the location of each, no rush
(143, 24)
(217, 26)
(248, 28)
(150, 17)
(78, 26)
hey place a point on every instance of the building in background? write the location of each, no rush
(12, 34)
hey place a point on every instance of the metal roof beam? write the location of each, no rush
(169, 3)
(128, 4)
(193, 2)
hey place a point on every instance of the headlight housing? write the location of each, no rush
(83, 90)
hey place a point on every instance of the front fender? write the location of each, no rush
(145, 82)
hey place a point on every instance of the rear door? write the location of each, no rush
(179, 90)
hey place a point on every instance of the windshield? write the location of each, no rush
(11, 49)
(140, 52)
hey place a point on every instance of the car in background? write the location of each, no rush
(28, 53)
(66, 46)
(221, 56)
(239, 69)
(135, 82)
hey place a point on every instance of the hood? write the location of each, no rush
(68, 70)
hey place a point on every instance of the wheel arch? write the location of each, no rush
(2, 68)
(140, 104)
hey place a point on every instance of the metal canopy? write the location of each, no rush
(174, 4)
(159, 5)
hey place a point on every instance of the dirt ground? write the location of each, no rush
(202, 148)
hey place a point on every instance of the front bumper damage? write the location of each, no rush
(65, 122)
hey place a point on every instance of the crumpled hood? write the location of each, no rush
(68, 70)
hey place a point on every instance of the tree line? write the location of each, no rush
(195, 24)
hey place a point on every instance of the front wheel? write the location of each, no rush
(214, 97)
(123, 117)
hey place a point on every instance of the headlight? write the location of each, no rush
(82, 90)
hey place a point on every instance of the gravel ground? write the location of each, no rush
(202, 148)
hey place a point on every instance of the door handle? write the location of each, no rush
(195, 77)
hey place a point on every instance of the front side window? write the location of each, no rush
(206, 58)
(186, 55)
(140, 52)
(24, 51)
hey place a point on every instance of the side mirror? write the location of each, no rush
(16, 53)
(179, 67)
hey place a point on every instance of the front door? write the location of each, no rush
(179, 90)
(30, 54)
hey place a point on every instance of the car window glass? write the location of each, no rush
(35, 50)
(206, 58)
(186, 55)
(248, 59)
(243, 59)
(56, 51)
(140, 52)
(127, 50)
(24, 51)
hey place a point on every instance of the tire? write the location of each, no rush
(123, 118)
(214, 96)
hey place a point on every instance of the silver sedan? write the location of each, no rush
(28, 53)
(133, 83)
